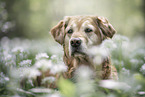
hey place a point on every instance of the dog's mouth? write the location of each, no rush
(77, 52)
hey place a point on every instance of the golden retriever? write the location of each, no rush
(77, 34)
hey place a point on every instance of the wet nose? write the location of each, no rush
(75, 42)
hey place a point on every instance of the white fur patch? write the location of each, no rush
(85, 23)
(73, 24)
(90, 26)
(79, 19)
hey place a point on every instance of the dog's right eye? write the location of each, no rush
(70, 31)
(87, 30)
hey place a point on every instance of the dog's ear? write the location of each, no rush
(106, 29)
(58, 32)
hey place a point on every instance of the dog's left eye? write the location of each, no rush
(70, 31)
(87, 30)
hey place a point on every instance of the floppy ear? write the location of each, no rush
(106, 29)
(58, 32)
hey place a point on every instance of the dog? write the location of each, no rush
(77, 34)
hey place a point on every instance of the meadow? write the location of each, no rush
(24, 59)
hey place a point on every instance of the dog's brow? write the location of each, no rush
(91, 26)
(73, 24)
(79, 19)
(86, 22)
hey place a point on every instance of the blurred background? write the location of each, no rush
(33, 19)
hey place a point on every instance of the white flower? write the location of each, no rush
(142, 69)
(85, 84)
(53, 56)
(49, 79)
(119, 38)
(43, 64)
(41, 55)
(108, 43)
(97, 60)
(8, 57)
(54, 95)
(58, 68)
(83, 73)
(25, 63)
(23, 91)
(41, 90)
(98, 51)
(125, 71)
(141, 92)
(6, 78)
(3, 78)
(98, 54)
(33, 73)
(18, 49)
(54, 68)
(110, 84)
(28, 72)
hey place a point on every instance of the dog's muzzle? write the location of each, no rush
(75, 45)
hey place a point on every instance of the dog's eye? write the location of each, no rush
(87, 30)
(70, 31)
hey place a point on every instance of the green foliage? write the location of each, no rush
(67, 88)
(21, 64)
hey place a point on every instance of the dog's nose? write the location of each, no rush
(75, 42)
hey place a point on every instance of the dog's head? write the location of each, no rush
(78, 33)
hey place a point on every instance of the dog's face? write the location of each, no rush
(79, 33)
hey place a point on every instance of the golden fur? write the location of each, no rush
(101, 29)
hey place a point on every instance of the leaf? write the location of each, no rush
(66, 87)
